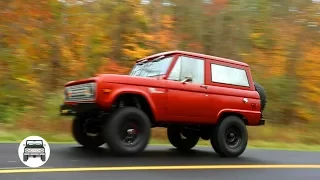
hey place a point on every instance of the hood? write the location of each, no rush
(126, 79)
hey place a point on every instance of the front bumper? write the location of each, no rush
(33, 154)
(74, 109)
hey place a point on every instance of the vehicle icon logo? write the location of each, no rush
(34, 151)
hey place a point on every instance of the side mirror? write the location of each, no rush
(187, 79)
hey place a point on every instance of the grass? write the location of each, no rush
(158, 138)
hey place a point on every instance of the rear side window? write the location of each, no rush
(229, 75)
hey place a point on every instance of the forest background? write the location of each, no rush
(45, 43)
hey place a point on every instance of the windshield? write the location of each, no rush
(151, 68)
(35, 143)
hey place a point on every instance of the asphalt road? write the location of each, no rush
(72, 162)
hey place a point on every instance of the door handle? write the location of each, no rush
(245, 100)
(204, 86)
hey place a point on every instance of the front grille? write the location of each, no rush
(30, 150)
(81, 92)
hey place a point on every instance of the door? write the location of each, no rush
(187, 101)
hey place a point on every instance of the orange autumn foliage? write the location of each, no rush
(165, 34)
(45, 42)
(308, 72)
(24, 18)
(112, 67)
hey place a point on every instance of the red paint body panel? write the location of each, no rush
(120, 84)
(187, 102)
(174, 101)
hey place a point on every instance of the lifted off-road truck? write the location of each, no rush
(192, 95)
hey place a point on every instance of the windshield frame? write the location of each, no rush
(152, 63)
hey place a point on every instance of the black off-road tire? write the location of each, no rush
(25, 157)
(43, 157)
(80, 135)
(219, 140)
(176, 137)
(118, 125)
(262, 93)
(214, 138)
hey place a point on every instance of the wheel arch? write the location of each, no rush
(225, 114)
(130, 98)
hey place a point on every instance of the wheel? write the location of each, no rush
(127, 131)
(182, 138)
(43, 157)
(81, 135)
(25, 157)
(262, 94)
(230, 138)
(213, 140)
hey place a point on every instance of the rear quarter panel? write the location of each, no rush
(226, 98)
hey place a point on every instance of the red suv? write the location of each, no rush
(192, 95)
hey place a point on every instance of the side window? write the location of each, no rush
(187, 66)
(229, 75)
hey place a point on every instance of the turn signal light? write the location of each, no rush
(107, 90)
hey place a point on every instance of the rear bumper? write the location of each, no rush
(74, 109)
(262, 121)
